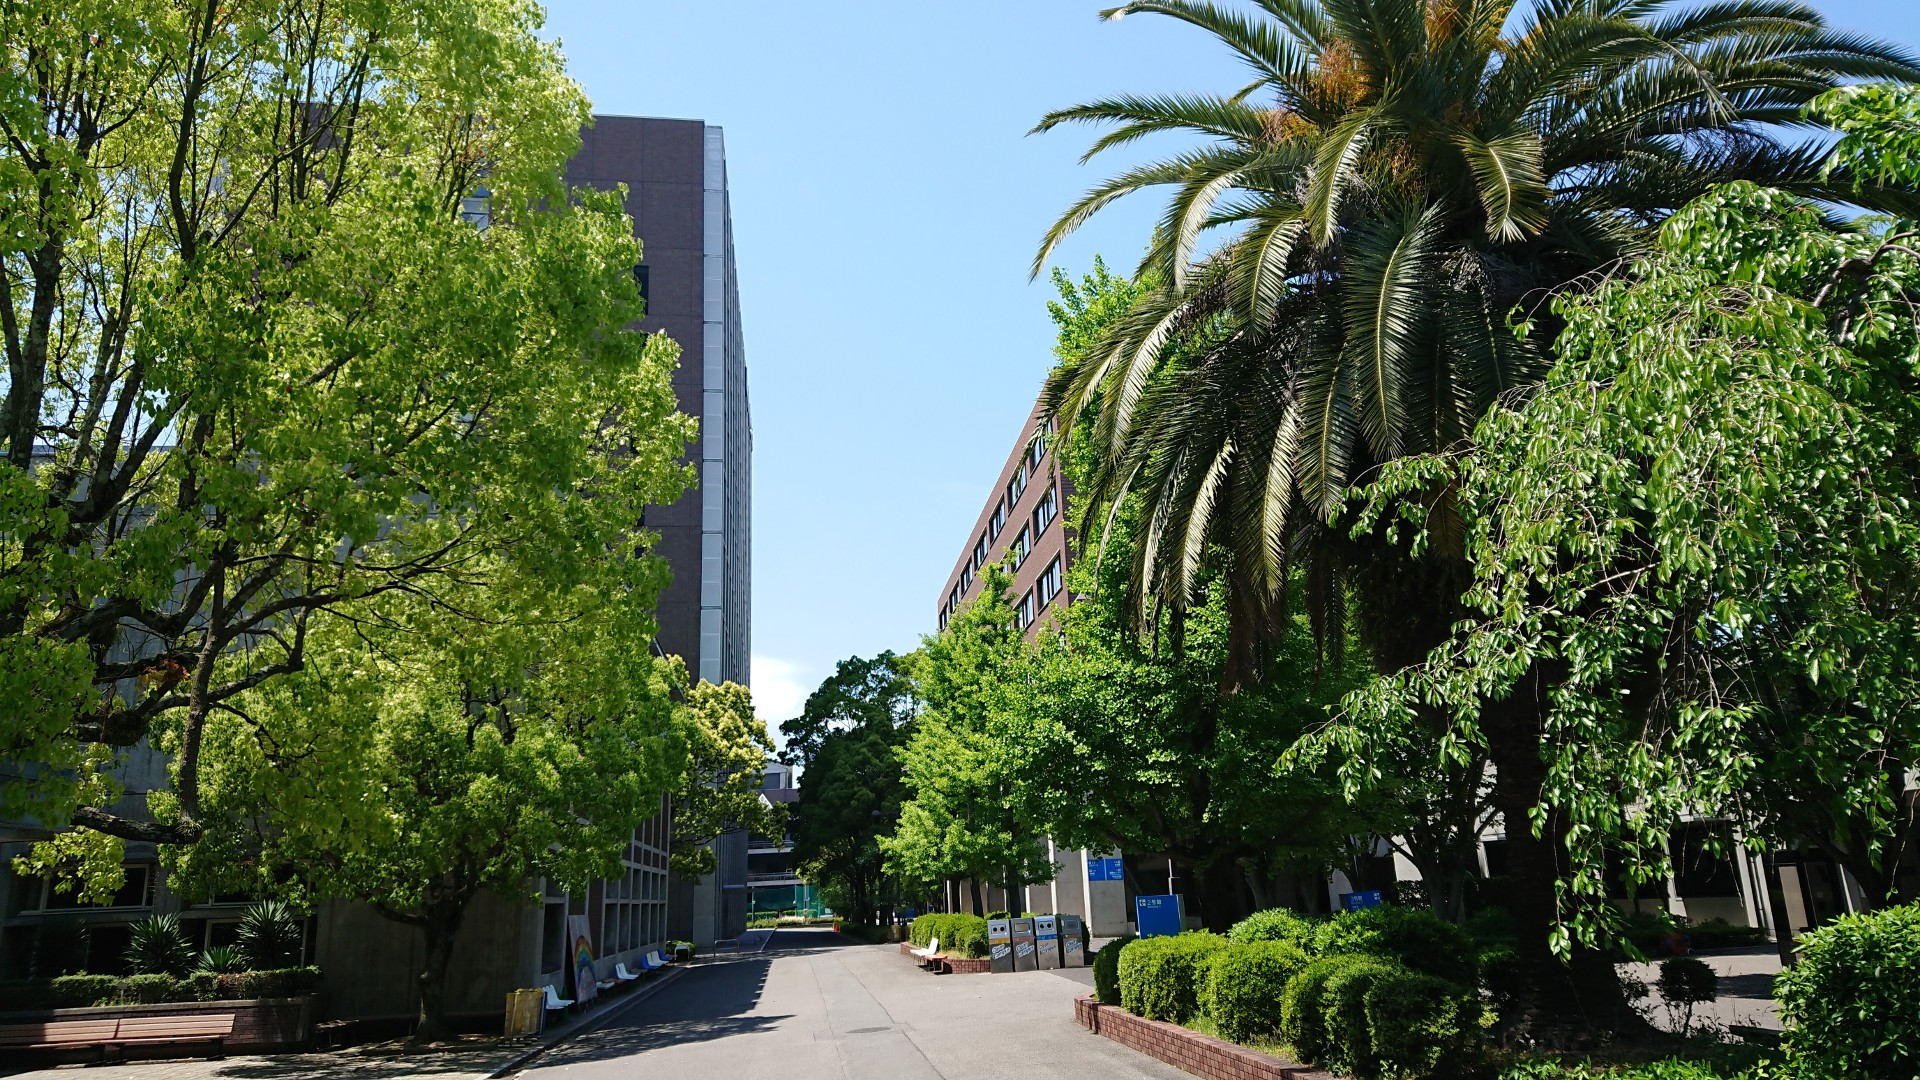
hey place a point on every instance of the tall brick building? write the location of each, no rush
(1023, 515)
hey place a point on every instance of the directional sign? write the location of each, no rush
(1105, 870)
(1159, 916)
(1357, 901)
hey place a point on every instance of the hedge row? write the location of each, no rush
(82, 991)
(958, 934)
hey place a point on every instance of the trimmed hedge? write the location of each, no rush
(1276, 924)
(959, 934)
(1244, 985)
(1106, 969)
(1852, 1003)
(1160, 977)
(1418, 939)
(1420, 1025)
(85, 991)
(80, 991)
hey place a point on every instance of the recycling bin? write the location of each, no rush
(1023, 945)
(999, 945)
(1073, 942)
(1046, 942)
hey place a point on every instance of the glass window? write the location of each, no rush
(1018, 484)
(953, 600)
(1044, 513)
(1036, 449)
(998, 521)
(966, 579)
(1022, 544)
(1049, 584)
(1023, 617)
(980, 552)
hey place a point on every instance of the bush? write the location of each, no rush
(1418, 939)
(220, 959)
(1160, 976)
(280, 983)
(959, 934)
(149, 989)
(1323, 1014)
(1106, 970)
(1852, 1003)
(1419, 1025)
(1684, 983)
(157, 947)
(1275, 924)
(270, 936)
(1244, 984)
(80, 991)
(202, 985)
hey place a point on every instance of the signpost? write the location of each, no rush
(1105, 870)
(1159, 916)
(1359, 901)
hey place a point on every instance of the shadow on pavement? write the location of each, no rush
(708, 1002)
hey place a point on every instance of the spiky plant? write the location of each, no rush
(156, 946)
(270, 935)
(221, 960)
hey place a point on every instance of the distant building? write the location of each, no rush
(773, 883)
(1022, 520)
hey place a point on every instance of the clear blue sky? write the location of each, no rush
(886, 204)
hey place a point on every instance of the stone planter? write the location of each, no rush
(260, 1025)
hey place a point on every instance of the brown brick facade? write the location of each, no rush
(1020, 502)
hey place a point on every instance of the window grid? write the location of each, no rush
(1049, 583)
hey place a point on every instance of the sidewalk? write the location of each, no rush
(499, 1057)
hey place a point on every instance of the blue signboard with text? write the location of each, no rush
(1104, 870)
(1356, 901)
(1159, 916)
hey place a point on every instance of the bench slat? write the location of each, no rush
(56, 1032)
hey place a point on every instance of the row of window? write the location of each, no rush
(1022, 546)
(1044, 590)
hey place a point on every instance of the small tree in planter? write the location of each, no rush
(270, 936)
(158, 947)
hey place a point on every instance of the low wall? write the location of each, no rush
(259, 1024)
(1201, 1055)
(957, 965)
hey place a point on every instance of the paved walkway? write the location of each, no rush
(815, 1007)
(1746, 989)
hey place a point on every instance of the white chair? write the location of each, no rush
(620, 972)
(657, 959)
(926, 955)
(554, 1000)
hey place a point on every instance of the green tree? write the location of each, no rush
(1396, 178)
(1696, 546)
(847, 741)
(960, 820)
(296, 311)
(718, 791)
(436, 746)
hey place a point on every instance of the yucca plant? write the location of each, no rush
(156, 946)
(270, 935)
(220, 960)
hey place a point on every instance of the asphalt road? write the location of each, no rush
(814, 1006)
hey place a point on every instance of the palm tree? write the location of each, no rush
(1333, 276)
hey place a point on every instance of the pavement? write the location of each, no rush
(796, 1004)
(1745, 990)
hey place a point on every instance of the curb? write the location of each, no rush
(588, 1024)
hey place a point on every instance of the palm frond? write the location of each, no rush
(1260, 45)
(1333, 169)
(1172, 171)
(1513, 189)
(1385, 307)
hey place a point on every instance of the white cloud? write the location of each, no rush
(780, 689)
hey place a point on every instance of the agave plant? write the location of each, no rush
(270, 935)
(221, 960)
(156, 946)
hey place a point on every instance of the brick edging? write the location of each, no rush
(1201, 1055)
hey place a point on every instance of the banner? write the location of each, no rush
(586, 981)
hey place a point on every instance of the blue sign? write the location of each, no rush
(1105, 870)
(1159, 916)
(1356, 901)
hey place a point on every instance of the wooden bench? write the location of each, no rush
(112, 1033)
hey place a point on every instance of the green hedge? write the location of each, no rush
(1418, 939)
(1160, 977)
(83, 991)
(959, 934)
(1420, 1025)
(1852, 1002)
(1244, 985)
(80, 991)
(1106, 970)
(1276, 924)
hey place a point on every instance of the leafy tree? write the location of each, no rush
(1396, 178)
(727, 747)
(1695, 548)
(960, 820)
(296, 312)
(861, 693)
(433, 747)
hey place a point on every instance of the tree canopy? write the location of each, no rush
(718, 789)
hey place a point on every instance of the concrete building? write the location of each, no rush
(676, 177)
(773, 883)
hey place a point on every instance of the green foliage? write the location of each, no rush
(150, 989)
(1161, 977)
(80, 991)
(1309, 1018)
(156, 946)
(270, 936)
(202, 985)
(874, 694)
(1852, 1003)
(1245, 984)
(219, 960)
(280, 983)
(1275, 924)
(1419, 1025)
(1106, 969)
(1666, 1069)
(959, 934)
(1687, 982)
(61, 947)
(1416, 939)
(727, 748)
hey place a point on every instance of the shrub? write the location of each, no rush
(1419, 939)
(1275, 924)
(220, 959)
(157, 947)
(279, 983)
(923, 929)
(1852, 1003)
(1684, 983)
(1344, 999)
(1160, 976)
(1106, 970)
(270, 935)
(959, 934)
(1419, 1025)
(1244, 984)
(149, 989)
(202, 985)
(1323, 1014)
(79, 991)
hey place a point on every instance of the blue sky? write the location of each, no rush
(886, 204)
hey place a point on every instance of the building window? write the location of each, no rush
(943, 619)
(966, 579)
(1022, 544)
(1036, 449)
(980, 552)
(1023, 617)
(1048, 509)
(1049, 584)
(998, 521)
(1017, 485)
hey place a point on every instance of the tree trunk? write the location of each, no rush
(979, 902)
(441, 926)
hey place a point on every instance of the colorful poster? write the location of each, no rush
(586, 981)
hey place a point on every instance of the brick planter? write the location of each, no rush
(259, 1024)
(956, 965)
(1201, 1055)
